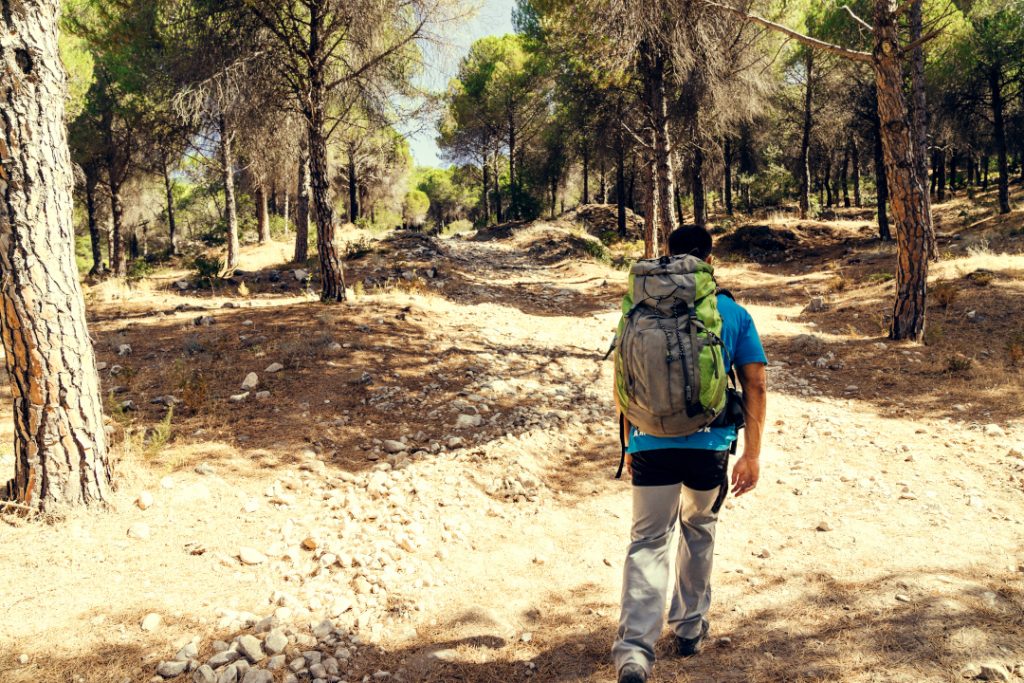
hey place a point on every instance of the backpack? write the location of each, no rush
(670, 375)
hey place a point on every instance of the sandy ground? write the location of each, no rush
(517, 532)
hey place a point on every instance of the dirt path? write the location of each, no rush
(488, 545)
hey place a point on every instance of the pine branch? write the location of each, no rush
(847, 53)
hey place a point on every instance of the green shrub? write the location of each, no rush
(207, 270)
(457, 227)
(138, 269)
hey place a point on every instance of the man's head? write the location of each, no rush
(692, 240)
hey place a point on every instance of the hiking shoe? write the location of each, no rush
(688, 647)
(632, 673)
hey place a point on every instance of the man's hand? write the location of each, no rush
(745, 474)
(628, 467)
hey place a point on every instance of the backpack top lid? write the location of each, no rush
(668, 283)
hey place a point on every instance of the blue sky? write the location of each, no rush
(493, 18)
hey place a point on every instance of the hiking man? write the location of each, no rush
(682, 477)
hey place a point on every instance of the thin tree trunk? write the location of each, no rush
(172, 228)
(118, 263)
(805, 142)
(485, 199)
(262, 214)
(952, 171)
(497, 191)
(855, 158)
(94, 229)
(844, 177)
(985, 163)
(230, 208)
(60, 450)
(513, 202)
(999, 135)
(603, 189)
(272, 204)
(586, 173)
(651, 219)
(827, 180)
(620, 182)
(905, 187)
(728, 175)
(700, 209)
(940, 175)
(665, 186)
(302, 207)
(881, 185)
(286, 210)
(554, 197)
(353, 189)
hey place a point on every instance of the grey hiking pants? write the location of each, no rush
(646, 576)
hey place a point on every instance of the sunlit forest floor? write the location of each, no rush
(431, 470)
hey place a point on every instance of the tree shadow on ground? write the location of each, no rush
(824, 629)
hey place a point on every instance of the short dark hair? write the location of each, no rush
(690, 240)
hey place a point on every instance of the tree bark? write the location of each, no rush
(302, 207)
(826, 180)
(985, 163)
(805, 142)
(651, 220)
(952, 171)
(499, 217)
(262, 214)
(881, 185)
(728, 175)
(919, 110)
(513, 202)
(230, 208)
(663, 155)
(904, 184)
(940, 173)
(60, 450)
(172, 229)
(91, 180)
(999, 135)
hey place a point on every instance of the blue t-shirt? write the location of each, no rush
(742, 346)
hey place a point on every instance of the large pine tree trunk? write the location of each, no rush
(59, 444)
(995, 76)
(230, 208)
(262, 214)
(919, 109)
(172, 228)
(332, 275)
(663, 156)
(651, 219)
(91, 180)
(905, 188)
(302, 208)
(805, 141)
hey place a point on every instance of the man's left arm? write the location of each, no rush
(754, 380)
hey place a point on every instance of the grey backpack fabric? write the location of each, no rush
(670, 373)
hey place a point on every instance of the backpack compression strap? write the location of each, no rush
(622, 443)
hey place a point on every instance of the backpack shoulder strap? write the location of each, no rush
(725, 292)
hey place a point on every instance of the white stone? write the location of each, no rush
(167, 483)
(151, 622)
(238, 398)
(23, 659)
(392, 446)
(466, 421)
(251, 381)
(251, 556)
(171, 669)
(274, 367)
(145, 500)
(994, 430)
(139, 530)
(124, 350)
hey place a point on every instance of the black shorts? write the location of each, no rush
(695, 469)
